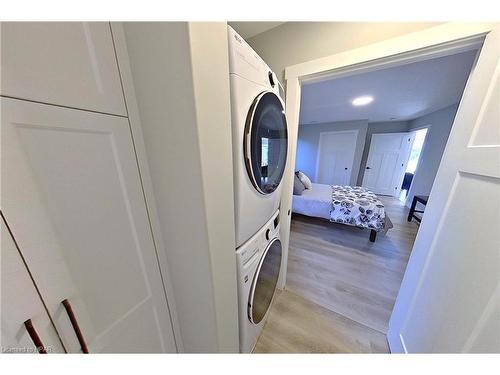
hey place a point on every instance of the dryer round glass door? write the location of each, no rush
(264, 283)
(266, 142)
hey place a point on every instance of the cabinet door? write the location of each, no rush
(20, 302)
(65, 63)
(73, 198)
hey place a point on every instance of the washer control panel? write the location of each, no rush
(250, 250)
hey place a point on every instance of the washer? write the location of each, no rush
(260, 138)
(259, 264)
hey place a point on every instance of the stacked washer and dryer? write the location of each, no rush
(260, 143)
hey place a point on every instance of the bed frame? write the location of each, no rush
(373, 233)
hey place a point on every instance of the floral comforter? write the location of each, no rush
(357, 206)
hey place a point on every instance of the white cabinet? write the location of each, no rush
(73, 199)
(21, 302)
(70, 64)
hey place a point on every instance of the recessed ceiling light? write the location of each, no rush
(362, 100)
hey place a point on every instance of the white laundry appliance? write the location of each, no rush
(260, 138)
(259, 263)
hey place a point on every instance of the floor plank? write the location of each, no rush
(338, 272)
(296, 325)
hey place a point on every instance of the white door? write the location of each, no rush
(71, 64)
(72, 196)
(20, 304)
(450, 296)
(336, 157)
(386, 163)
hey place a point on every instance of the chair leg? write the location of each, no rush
(373, 235)
(412, 209)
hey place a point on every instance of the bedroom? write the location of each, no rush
(378, 137)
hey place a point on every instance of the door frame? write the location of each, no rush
(439, 41)
(419, 162)
(321, 134)
(407, 157)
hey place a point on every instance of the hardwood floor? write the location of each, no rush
(341, 287)
(296, 325)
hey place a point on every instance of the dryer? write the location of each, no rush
(259, 263)
(260, 138)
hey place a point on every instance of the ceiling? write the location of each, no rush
(248, 30)
(400, 93)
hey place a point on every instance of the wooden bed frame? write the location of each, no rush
(373, 233)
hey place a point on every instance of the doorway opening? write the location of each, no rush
(412, 165)
(360, 310)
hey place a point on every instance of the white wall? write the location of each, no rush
(308, 144)
(176, 69)
(439, 123)
(297, 42)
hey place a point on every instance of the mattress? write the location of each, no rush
(315, 202)
(350, 205)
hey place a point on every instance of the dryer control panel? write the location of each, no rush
(246, 63)
(253, 249)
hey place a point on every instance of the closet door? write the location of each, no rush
(20, 303)
(65, 63)
(73, 198)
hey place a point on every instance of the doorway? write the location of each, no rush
(387, 161)
(442, 41)
(413, 161)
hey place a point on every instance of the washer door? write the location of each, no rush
(266, 142)
(264, 283)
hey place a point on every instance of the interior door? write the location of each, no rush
(449, 300)
(386, 163)
(72, 195)
(336, 157)
(20, 303)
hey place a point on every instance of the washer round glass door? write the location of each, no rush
(266, 142)
(264, 283)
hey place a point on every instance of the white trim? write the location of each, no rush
(140, 150)
(403, 345)
(441, 40)
(318, 155)
(438, 41)
(424, 148)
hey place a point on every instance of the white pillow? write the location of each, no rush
(305, 180)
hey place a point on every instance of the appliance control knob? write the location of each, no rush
(268, 234)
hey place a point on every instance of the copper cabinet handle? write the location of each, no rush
(76, 327)
(34, 336)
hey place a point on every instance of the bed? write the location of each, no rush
(350, 205)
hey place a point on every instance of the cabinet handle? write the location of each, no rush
(76, 327)
(34, 336)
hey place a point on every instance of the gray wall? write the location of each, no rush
(439, 123)
(378, 127)
(176, 68)
(297, 42)
(308, 142)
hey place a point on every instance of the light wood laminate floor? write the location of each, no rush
(341, 287)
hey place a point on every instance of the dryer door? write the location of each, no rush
(266, 142)
(264, 283)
